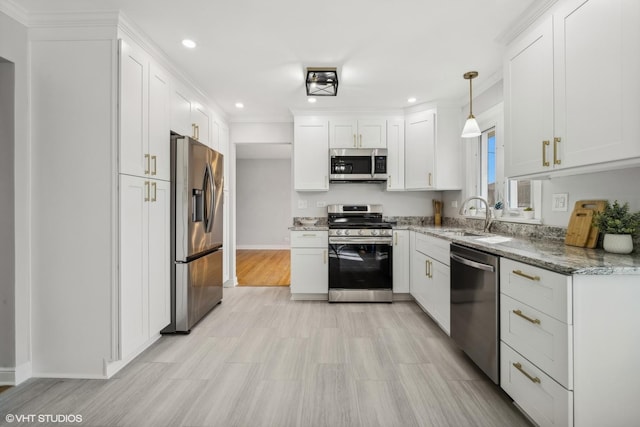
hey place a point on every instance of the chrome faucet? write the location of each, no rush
(487, 219)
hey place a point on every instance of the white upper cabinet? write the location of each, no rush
(528, 92)
(432, 152)
(159, 113)
(200, 119)
(571, 89)
(361, 133)
(311, 154)
(134, 88)
(395, 154)
(181, 112)
(419, 151)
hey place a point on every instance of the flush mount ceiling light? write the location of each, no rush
(471, 128)
(411, 100)
(322, 81)
(239, 105)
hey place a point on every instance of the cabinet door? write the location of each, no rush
(372, 133)
(159, 225)
(311, 156)
(309, 271)
(441, 295)
(134, 155)
(200, 123)
(419, 278)
(134, 267)
(343, 133)
(395, 155)
(401, 263)
(159, 113)
(597, 83)
(181, 112)
(529, 102)
(419, 151)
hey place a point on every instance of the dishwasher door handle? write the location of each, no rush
(474, 264)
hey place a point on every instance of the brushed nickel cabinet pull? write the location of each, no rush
(545, 162)
(395, 238)
(527, 318)
(430, 179)
(426, 267)
(355, 143)
(146, 187)
(193, 127)
(360, 140)
(556, 160)
(526, 276)
(518, 366)
(146, 169)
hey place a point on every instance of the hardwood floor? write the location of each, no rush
(260, 359)
(263, 267)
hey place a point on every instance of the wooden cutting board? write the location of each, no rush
(581, 232)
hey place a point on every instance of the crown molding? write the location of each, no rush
(528, 17)
(101, 18)
(13, 10)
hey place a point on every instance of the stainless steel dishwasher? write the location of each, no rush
(475, 310)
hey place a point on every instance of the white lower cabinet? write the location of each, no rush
(309, 265)
(543, 399)
(401, 258)
(145, 262)
(430, 277)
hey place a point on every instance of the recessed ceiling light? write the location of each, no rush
(188, 43)
(311, 100)
(411, 100)
(239, 105)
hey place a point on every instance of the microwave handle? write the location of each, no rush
(373, 163)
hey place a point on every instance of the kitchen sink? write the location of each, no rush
(461, 233)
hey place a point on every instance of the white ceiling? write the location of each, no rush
(255, 51)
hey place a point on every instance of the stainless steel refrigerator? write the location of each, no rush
(196, 230)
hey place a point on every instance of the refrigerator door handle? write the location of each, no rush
(208, 181)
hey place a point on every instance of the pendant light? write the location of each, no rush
(471, 128)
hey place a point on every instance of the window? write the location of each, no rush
(488, 181)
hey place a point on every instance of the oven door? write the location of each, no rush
(361, 264)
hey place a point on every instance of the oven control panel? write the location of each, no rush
(364, 232)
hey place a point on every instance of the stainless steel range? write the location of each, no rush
(360, 254)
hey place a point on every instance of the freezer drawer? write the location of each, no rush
(198, 289)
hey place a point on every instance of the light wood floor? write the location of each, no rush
(260, 359)
(263, 267)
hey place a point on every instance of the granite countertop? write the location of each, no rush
(309, 228)
(545, 253)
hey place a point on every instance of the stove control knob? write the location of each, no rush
(345, 232)
(374, 232)
(361, 232)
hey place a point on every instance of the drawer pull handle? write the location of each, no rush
(308, 235)
(518, 366)
(526, 276)
(519, 313)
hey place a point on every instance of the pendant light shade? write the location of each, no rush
(471, 128)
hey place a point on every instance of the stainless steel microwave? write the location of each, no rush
(361, 165)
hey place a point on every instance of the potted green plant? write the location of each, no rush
(527, 212)
(618, 225)
(497, 209)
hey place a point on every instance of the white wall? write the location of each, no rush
(14, 48)
(621, 185)
(263, 214)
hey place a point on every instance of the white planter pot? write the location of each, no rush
(527, 214)
(618, 243)
(497, 213)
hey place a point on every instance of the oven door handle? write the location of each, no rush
(478, 265)
(361, 240)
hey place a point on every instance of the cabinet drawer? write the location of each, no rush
(543, 399)
(433, 247)
(309, 239)
(542, 339)
(541, 289)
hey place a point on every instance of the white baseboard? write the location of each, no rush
(263, 247)
(15, 376)
(111, 368)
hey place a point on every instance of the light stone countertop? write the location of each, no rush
(309, 228)
(550, 254)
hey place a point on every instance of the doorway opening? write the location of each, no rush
(263, 214)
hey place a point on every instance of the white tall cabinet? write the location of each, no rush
(570, 85)
(311, 154)
(102, 109)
